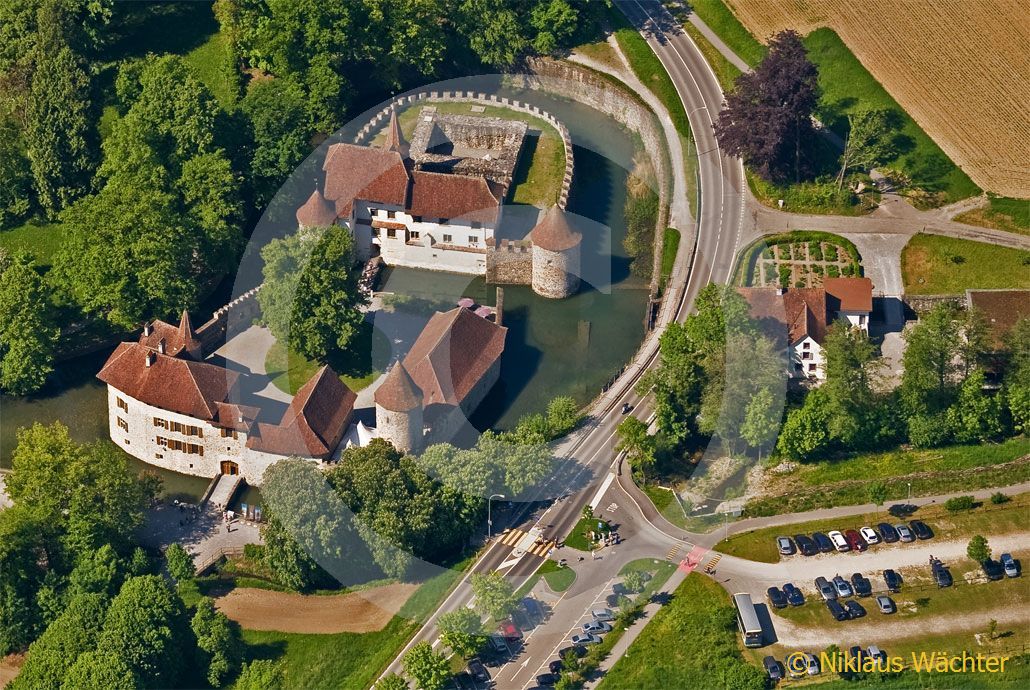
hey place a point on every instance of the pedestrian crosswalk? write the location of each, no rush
(674, 550)
(512, 538)
(711, 564)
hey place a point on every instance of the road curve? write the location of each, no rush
(590, 451)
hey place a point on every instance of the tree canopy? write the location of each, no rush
(28, 326)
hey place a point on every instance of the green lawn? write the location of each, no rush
(42, 240)
(847, 481)
(211, 60)
(290, 370)
(1002, 213)
(760, 544)
(670, 246)
(558, 579)
(690, 643)
(349, 660)
(725, 24)
(934, 265)
(577, 538)
(649, 70)
(847, 86)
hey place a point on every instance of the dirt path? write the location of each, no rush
(10, 666)
(357, 612)
(873, 631)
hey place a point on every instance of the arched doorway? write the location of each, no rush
(230, 467)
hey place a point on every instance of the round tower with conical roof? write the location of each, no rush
(316, 212)
(556, 255)
(399, 410)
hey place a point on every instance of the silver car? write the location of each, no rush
(886, 604)
(843, 587)
(602, 615)
(586, 638)
(904, 533)
(826, 590)
(596, 627)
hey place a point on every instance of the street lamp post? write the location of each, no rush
(489, 520)
(910, 492)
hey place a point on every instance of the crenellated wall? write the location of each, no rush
(229, 320)
(510, 263)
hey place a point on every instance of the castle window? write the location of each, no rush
(448, 238)
(476, 224)
(162, 423)
(443, 221)
(473, 241)
(122, 405)
(807, 345)
(122, 424)
(159, 456)
(177, 427)
(391, 233)
(162, 441)
(414, 235)
(417, 219)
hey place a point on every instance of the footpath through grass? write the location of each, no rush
(725, 24)
(987, 518)
(936, 265)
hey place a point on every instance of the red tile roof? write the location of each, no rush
(797, 313)
(317, 211)
(553, 232)
(395, 140)
(180, 341)
(852, 294)
(398, 392)
(451, 355)
(1001, 309)
(363, 172)
(171, 383)
(314, 422)
(439, 195)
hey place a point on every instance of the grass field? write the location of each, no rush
(670, 246)
(210, 60)
(348, 660)
(1002, 213)
(722, 21)
(947, 75)
(1007, 518)
(289, 370)
(690, 643)
(558, 579)
(934, 265)
(41, 240)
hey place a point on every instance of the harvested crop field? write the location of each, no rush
(958, 68)
(356, 612)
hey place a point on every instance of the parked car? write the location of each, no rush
(602, 615)
(855, 540)
(620, 589)
(806, 545)
(547, 679)
(870, 535)
(921, 529)
(863, 587)
(478, 671)
(597, 627)
(839, 542)
(795, 597)
(826, 590)
(836, 610)
(579, 650)
(878, 654)
(941, 574)
(533, 608)
(1010, 565)
(904, 533)
(612, 600)
(556, 666)
(509, 631)
(773, 668)
(892, 580)
(888, 534)
(885, 604)
(822, 542)
(813, 664)
(854, 609)
(856, 653)
(795, 669)
(586, 638)
(499, 645)
(993, 569)
(785, 546)
(842, 586)
(777, 598)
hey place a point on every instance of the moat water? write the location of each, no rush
(554, 347)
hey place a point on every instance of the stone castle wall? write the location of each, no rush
(555, 274)
(510, 263)
(229, 320)
(402, 429)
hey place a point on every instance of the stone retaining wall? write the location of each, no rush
(510, 263)
(920, 304)
(379, 120)
(229, 320)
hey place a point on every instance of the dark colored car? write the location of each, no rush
(941, 574)
(855, 540)
(612, 601)
(546, 679)
(887, 532)
(856, 653)
(822, 542)
(806, 545)
(773, 668)
(892, 580)
(556, 666)
(478, 671)
(794, 595)
(579, 650)
(620, 589)
(920, 529)
(992, 569)
(533, 608)
(863, 587)
(776, 598)
(836, 610)
(854, 609)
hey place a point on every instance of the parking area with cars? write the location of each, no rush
(854, 540)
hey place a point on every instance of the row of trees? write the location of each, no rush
(78, 592)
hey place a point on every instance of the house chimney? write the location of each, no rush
(149, 361)
(161, 346)
(781, 291)
(147, 329)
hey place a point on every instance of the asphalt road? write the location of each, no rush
(589, 454)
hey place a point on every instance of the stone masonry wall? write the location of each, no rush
(510, 263)
(229, 320)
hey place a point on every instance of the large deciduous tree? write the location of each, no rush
(495, 595)
(462, 631)
(310, 299)
(219, 643)
(870, 141)
(428, 668)
(768, 114)
(28, 326)
(279, 121)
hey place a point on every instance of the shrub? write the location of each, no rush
(815, 251)
(784, 275)
(929, 431)
(831, 252)
(799, 283)
(958, 503)
(832, 272)
(253, 551)
(818, 270)
(999, 498)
